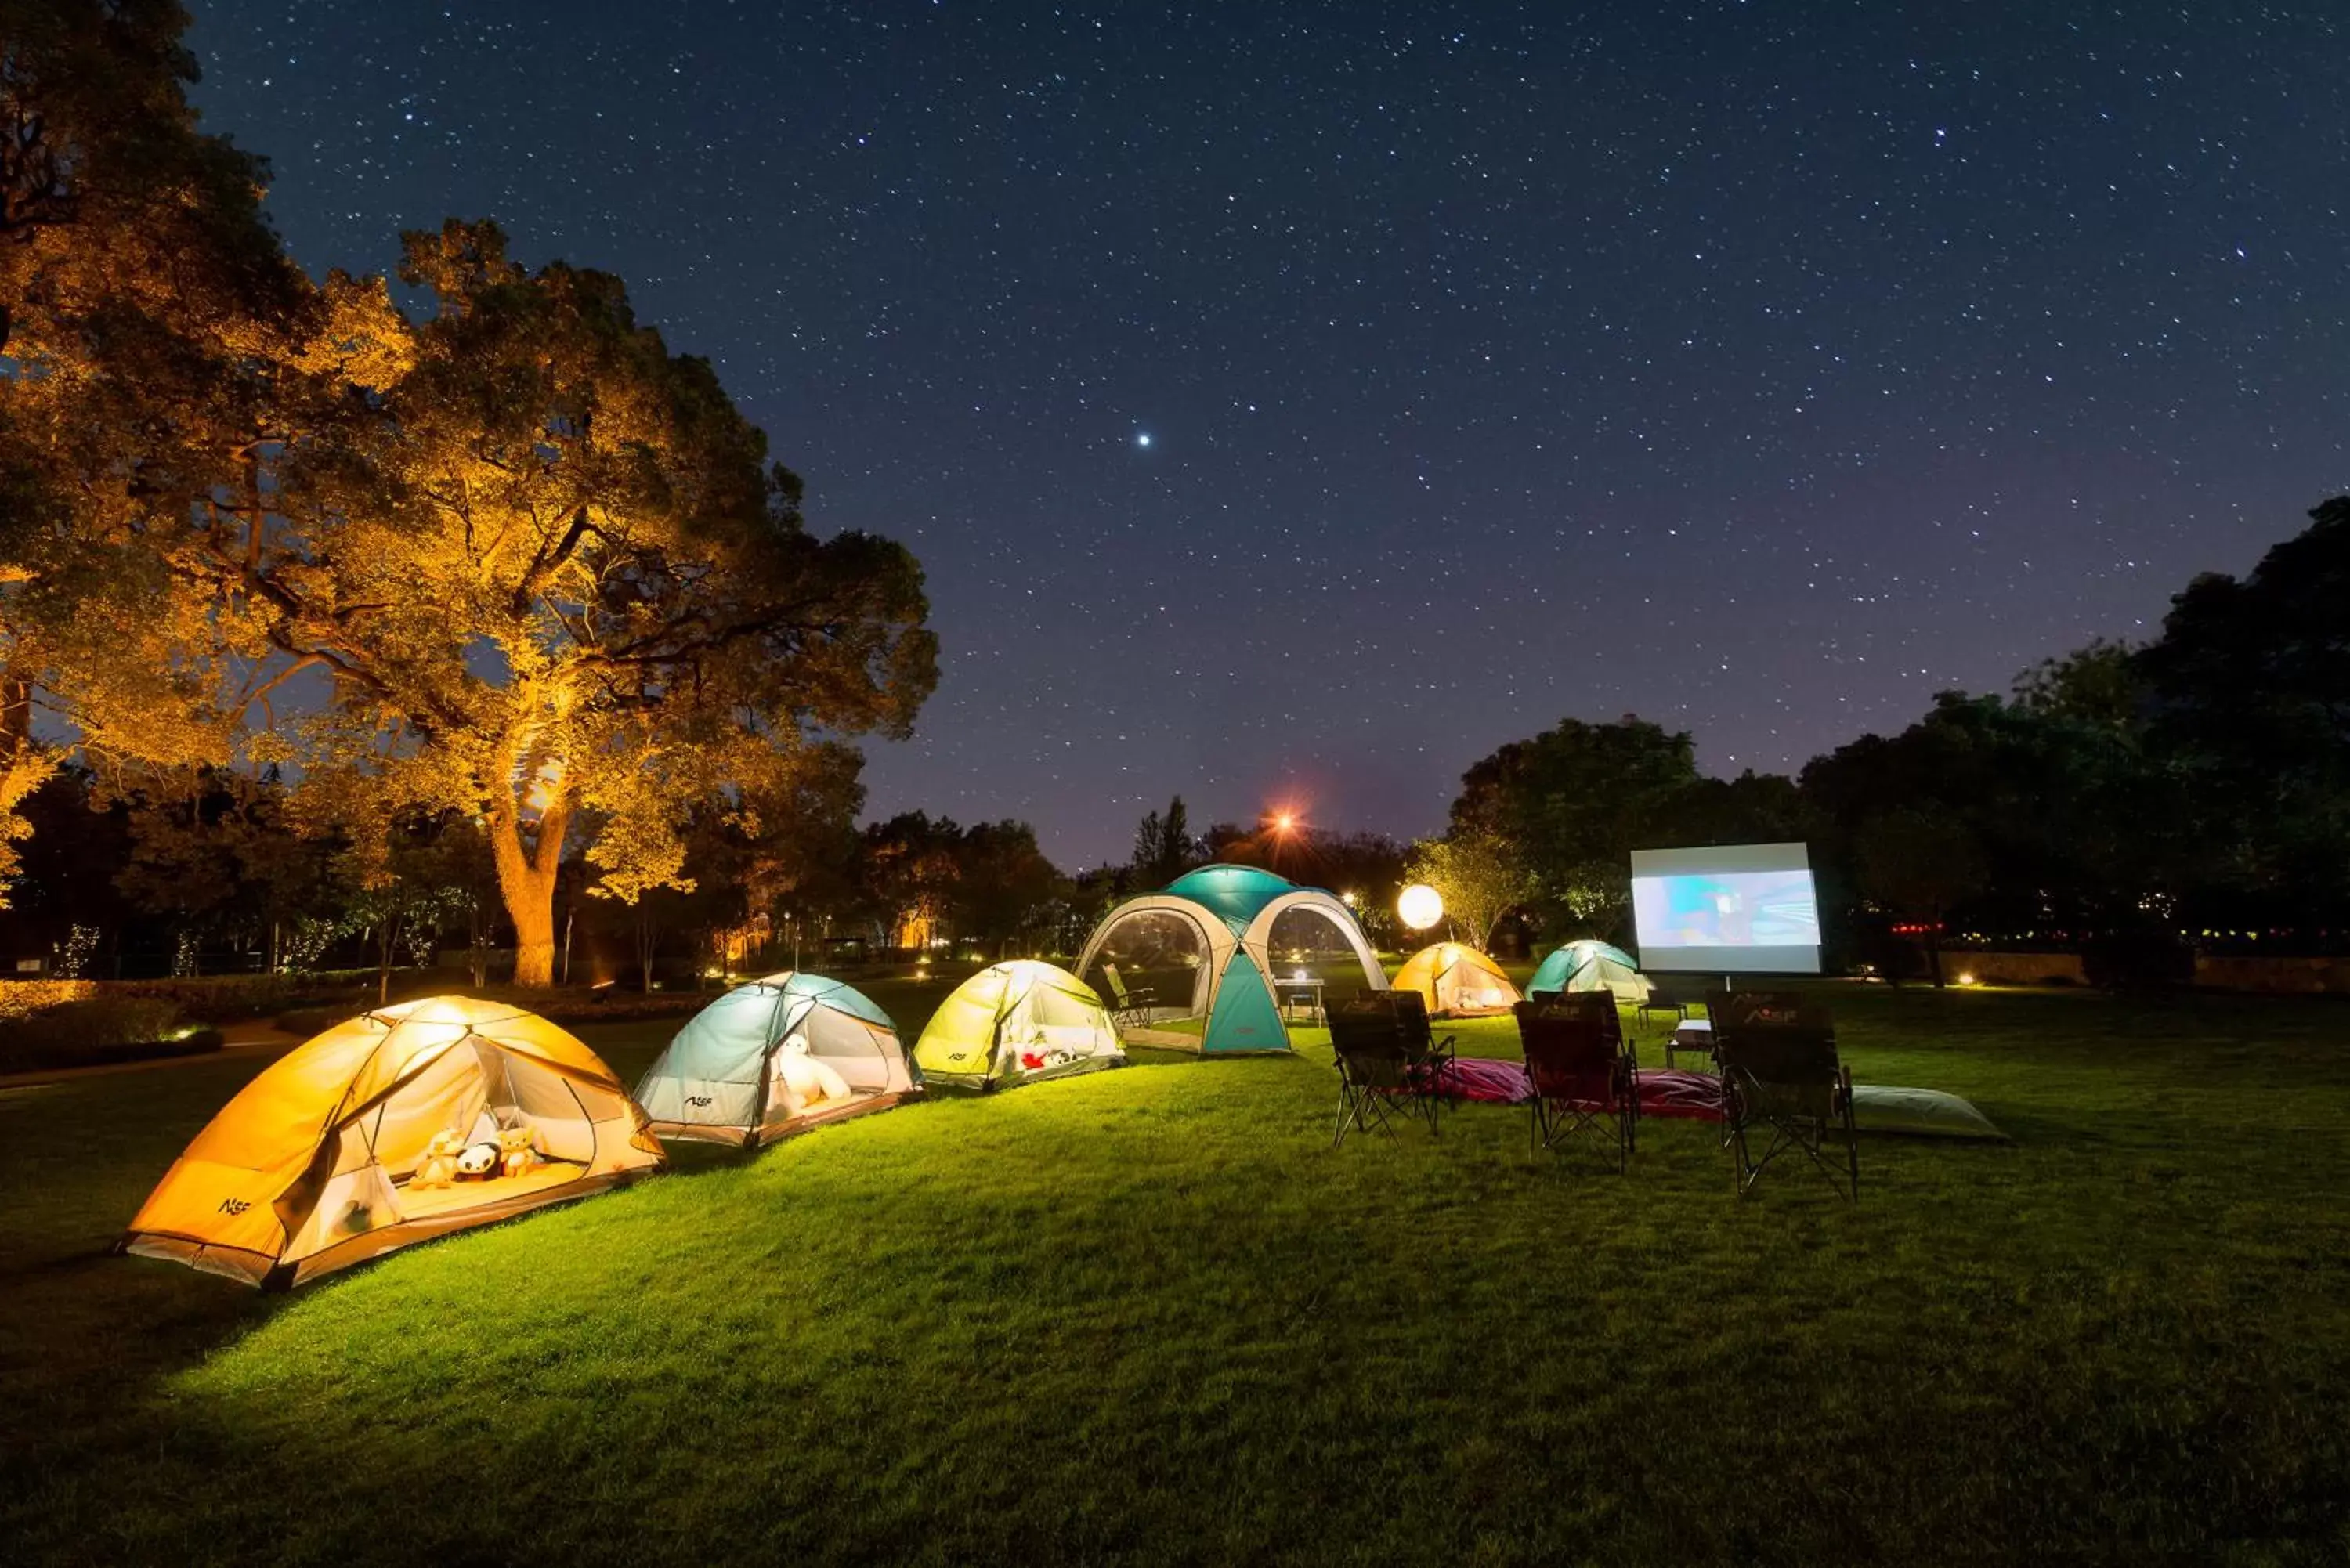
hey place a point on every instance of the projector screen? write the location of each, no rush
(1735, 908)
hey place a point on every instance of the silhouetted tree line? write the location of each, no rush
(2126, 800)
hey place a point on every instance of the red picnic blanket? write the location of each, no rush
(1485, 1078)
(1664, 1092)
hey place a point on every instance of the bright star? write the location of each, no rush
(1142, 438)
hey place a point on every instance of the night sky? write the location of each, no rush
(1297, 401)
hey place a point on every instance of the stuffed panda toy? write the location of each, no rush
(479, 1161)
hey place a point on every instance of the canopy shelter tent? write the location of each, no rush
(1457, 981)
(773, 1058)
(1016, 1022)
(1588, 965)
(394, 1127)
(1207, 944)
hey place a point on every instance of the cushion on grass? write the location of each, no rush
(1924, 1113)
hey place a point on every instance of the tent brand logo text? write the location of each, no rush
(697, 1099)
(235, 1204)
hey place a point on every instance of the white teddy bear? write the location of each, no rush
(803, 1081)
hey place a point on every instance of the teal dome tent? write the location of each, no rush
(1588, 965)
(775, 1057)
(1202, 947)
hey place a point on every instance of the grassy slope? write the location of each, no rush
(1151, 1314)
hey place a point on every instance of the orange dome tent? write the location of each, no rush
(345, 1147)
(1457, 981)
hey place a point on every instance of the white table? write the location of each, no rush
(1300, 995)
(1691, 1034)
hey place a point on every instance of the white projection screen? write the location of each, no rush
(1734, 908)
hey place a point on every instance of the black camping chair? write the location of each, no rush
(1128, 1006)
(1435, 1056)
(1580, 1069)
(1378, 1073)
(1782, 1084)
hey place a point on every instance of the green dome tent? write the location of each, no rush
(1205, 944)
(773, 1058)
(1016, 1021)
(1588, 965)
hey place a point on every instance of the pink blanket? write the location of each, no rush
(1663, 1091)
(1666, 1093)
(1485, 1078)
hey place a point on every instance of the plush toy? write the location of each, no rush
(804, 1080)
(439, 1165)
(479, 1162)
(518, 1157)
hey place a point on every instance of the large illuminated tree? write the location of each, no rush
(545, 575)
(148, 319)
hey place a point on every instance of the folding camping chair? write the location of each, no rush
(1781, 1076)
(1378, 1071)
(1128, 1006)
(1419, 1039)
(1580, 1068)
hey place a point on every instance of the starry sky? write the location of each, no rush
(1291, 402)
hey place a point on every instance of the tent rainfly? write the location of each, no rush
(1216, 926)
(398, 1125)
(1588, 965)
(773, 1058)
(1016, 1022)
(1457, 981)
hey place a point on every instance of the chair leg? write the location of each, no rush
(1852, 1149)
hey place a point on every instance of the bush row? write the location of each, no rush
(79, 1032)
(214, 997)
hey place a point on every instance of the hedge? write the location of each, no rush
(88, 1031)
(213, 998)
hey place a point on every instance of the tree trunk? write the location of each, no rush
(527, 886)
(527, 876)
(477, 942)
(532, 913)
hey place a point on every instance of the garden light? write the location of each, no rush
(1420, 907)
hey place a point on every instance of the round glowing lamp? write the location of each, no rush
(1420, 907)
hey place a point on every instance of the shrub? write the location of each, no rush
(88, 1031)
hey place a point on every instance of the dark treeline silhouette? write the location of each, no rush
(2131, 802)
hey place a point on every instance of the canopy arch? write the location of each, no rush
(1232, 909)
(1138, 939)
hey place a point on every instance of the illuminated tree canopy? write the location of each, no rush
(511, 557)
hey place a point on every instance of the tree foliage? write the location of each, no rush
(2248, 690)
(1164, 848)
(1480, 875)
(1577, 799)
(143, 303)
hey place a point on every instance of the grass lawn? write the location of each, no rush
(1152, 1315)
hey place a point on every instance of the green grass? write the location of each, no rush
(1152, 1315)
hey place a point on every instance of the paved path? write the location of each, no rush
(260, 1042)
